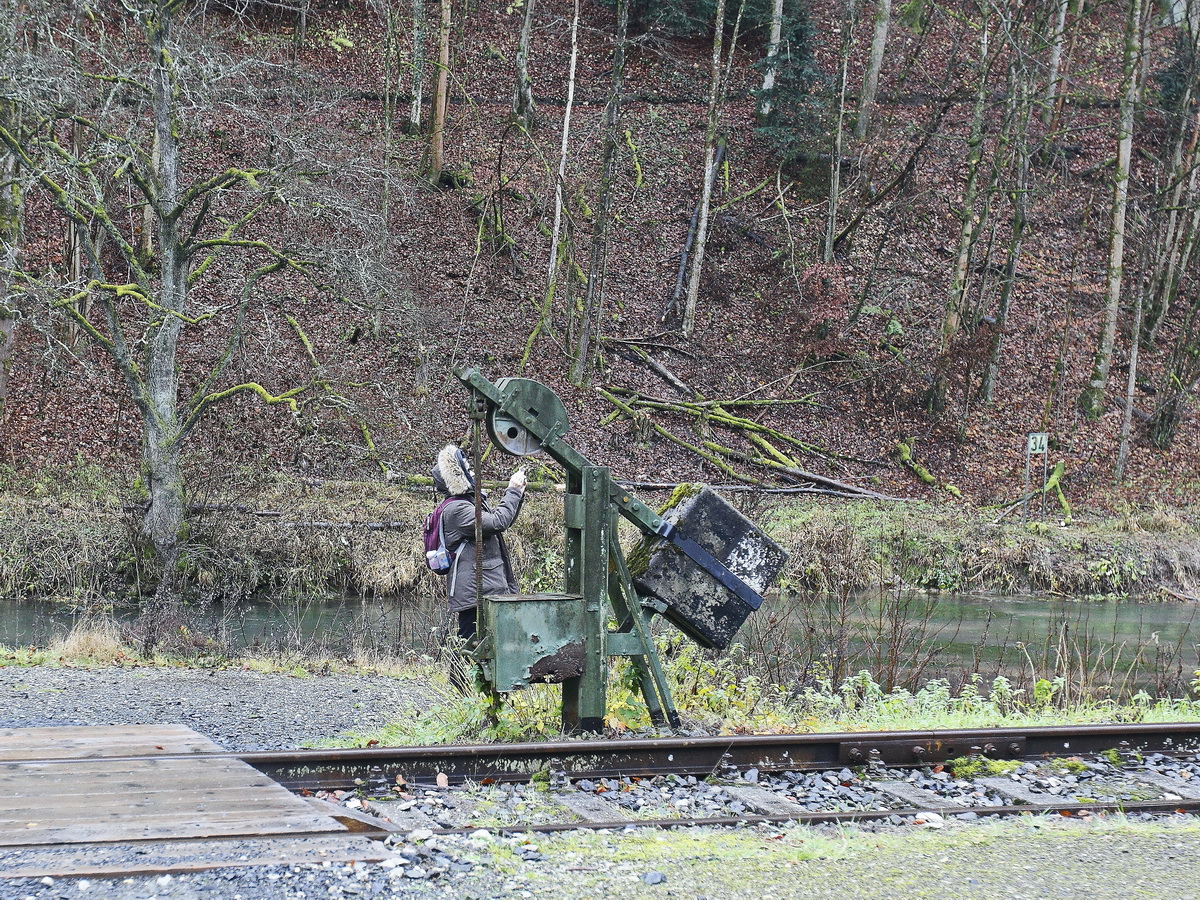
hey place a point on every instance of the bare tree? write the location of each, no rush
(523, 106)
(1176, 212)
(870, 87)
(12, 217)
(418, 66)
(441, 95)
(593, 303)
(849, 20)
(145, 309)
(1181, 375)
(1123, 442)
(1016, 136)
(561, 175)
(971, 213)
(716, 95)
(1057, 38)
(771, 62)
(1091, 400)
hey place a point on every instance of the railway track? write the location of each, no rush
(768, 779)
(160, 812)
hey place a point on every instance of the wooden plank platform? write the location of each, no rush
(73, 800)
(175, 857)
(101, 740)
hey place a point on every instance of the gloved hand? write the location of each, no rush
(518, 480)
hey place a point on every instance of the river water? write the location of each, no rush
(1104, 648)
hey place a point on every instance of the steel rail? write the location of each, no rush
(1078, 810)
(379, 767)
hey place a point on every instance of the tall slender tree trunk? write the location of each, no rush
(1054, 110)
(866, 103)
(710, 150)
(12, 220)
(441, 97)
(1130, 390)
(593, 304)
(971, 221)
(771, 63)
(835, 145)
(523, 106)
(1057, 38)
(1020, 202)
(1177, 242)
(1177, 238)
(418, 66)
(1091, 400)
(1179, 379)
(561, 175)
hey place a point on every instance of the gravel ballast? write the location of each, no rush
(1034, 857)
(240, 710)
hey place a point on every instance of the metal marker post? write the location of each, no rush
(1036, 442)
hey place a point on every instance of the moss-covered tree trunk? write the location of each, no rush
(164, 518)
(524, 108)
(870, 87)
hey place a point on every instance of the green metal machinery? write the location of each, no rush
(568, 637)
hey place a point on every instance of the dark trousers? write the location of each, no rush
(467, 623)
(460, 668)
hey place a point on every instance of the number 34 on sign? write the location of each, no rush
(1037, 442)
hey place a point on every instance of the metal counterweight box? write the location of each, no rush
(704, 609)
(534, 638)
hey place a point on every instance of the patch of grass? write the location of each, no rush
(1067, 766)
(971, 767)
(93, 642)
(724, 703)
(853, 862)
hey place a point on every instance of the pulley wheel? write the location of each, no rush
(529, 415)
(510, 435)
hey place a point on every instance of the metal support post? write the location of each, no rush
(627, 605)
(588, 522)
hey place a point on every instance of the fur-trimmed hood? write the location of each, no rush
(452, 473)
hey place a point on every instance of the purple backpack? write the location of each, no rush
(438, 557)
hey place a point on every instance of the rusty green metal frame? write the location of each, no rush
(595, 564)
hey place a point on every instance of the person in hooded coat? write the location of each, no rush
(454, 476)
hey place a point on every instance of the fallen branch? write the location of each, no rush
(663, 372)
(718, 454)
(659, 402)
(1179, 596)
(793, 472)
(746, 488)
(675, 439)
(712, 412)
(904, 450)
(652, 341)
(1053, 483)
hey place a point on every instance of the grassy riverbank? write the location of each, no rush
(74, 535)
(714, 695)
